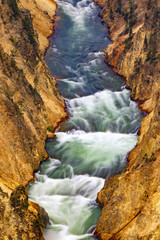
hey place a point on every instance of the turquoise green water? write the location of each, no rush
(99, 133)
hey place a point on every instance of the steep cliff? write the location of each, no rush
(30, 104)
(131, 201)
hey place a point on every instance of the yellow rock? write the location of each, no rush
(30, 103)
(131, 200)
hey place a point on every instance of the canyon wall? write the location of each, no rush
(131, 200)
(29, 105)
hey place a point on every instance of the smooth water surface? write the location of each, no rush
(101, 130)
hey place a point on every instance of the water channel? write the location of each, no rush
(93, 143)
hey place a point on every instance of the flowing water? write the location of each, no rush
(101, 130)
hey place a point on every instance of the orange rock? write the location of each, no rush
(131, 200)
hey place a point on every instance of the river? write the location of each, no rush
(93, 143)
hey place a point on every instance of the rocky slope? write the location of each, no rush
(30, 104)
(131, 200)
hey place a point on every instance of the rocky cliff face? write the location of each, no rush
(131, 201)
(30, 104)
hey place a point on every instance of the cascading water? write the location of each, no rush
(93, 143)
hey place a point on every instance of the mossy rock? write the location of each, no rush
(19, 198)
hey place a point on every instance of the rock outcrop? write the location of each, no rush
(29, 105)
(131, 200)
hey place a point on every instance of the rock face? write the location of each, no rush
(30, 104)
(131, 200)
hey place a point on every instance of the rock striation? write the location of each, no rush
(131, 200)
(29, 105)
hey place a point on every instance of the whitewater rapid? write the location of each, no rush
(93, 143)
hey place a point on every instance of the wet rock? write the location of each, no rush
(44, 216)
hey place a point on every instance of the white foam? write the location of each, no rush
(64, 210)
(83, 185)
(54, 232)
(70, 200)
(103, 111)
(91, 151)
(78, 13)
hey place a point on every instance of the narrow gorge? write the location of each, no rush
(93, 143)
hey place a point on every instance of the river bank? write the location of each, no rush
(130, 200)
(30, 104)
(27, 110)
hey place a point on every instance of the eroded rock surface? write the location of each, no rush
(29, 105)
(131, 201)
